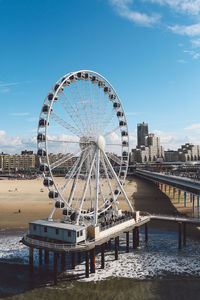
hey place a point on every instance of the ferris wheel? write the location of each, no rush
(83, 135)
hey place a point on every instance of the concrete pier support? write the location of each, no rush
(92, 260)
(134, 238)
(73, 260)
(46, 257)
(184, 234)
(146, 232)
(40, 257)
(31, 257)
(79, 257)
(86, 264)
(55, 268)
(116, 247)
(179, 235)
(109, 245)
(63, 261)
(137, 237)
(102, 256)
(127, 242)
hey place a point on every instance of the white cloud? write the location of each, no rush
(174, 140)
(193, 126)
(5, 86)
(191, 7)
(194, 54)
(190, 30)
(123, 9)
(20, 114)
(182, 61)
(5, 90)
(196, 43)
(15, 144)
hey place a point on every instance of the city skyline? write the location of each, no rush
(148, 50)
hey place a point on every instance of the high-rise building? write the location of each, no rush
(142, 132)
(148, 147)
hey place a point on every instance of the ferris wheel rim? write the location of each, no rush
(48, 115)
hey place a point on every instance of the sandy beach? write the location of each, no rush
(31, 198)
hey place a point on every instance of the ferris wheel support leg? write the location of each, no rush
(118, 182)
(109, 184)
(85, 189)
(96, 188)
(51, 214)
(76, 180)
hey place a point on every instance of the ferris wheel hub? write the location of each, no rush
(101, 143)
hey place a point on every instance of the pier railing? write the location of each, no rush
(102, 228)
(49, 245)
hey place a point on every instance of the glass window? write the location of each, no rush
(34, 227)
(77, 233)
(57, 231)
(81, 232)
(69, 233)
(45, 229)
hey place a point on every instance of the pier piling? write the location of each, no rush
(146, 232)
(73, 257)
(55, 268)
(134, 238)
(46, 257)
(127, 242)
(92, 260)
(102, 256)
(31, 257)
(40, 257)
(116, 247)
(137, 237)
(79, 257)
(86, 264)
(179, 235)
(184, 234)
(63, 261)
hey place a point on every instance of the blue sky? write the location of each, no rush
(148, 49)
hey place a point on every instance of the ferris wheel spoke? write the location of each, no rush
(101, 111)
(62, 141)
(117, 180)
(111, 131)
(106, 120)
(107, 177)
(71, 175)
(65, 104)
(85, 189)
(114, 158)
(84, 156)
(108, 144)
(84, 108)
(64, 159)
(64, 124)
(77, 109)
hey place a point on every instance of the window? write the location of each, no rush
(34, 227)
(69, 233)
(57, 231)
(45, 229)
(77, 233)
(81, 232)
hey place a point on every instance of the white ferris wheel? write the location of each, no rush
(83, 134)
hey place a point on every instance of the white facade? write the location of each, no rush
(58, 231)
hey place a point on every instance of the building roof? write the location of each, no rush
(58, 225)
